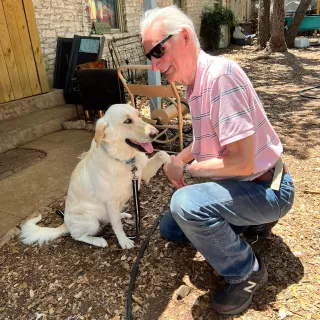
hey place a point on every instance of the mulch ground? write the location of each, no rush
(71, 280)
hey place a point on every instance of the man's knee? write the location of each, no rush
(189, 204)
(179, 197)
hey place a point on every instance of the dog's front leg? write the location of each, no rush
(115, 219)
(154, 164)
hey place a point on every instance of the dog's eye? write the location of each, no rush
(127, 121)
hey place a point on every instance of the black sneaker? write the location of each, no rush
(261, 230)
(235, 298)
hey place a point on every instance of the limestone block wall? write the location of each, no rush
(164, 3)
(133, 9)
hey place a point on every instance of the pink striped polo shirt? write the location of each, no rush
(225, 108)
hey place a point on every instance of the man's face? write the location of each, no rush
(171, 63)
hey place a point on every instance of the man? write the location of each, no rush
(234, 144)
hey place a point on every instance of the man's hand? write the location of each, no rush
(174, 172)
(174, 169)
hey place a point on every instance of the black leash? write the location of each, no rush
(135, 189)
(135, 269)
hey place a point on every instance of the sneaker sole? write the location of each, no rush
(246, 304)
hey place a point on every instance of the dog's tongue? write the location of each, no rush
(147, 146)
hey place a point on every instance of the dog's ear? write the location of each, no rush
(99, 134)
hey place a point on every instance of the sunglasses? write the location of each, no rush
(157, 51)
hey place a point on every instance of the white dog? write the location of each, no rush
(101, 183)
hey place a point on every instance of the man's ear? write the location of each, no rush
(100, 134)
(185, 35)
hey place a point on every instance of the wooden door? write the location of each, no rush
(22, 69)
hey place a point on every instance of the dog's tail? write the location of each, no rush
(31, 233)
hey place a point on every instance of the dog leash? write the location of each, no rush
(135, 268)
(135, 190)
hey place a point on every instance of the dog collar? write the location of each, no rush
(131, 161)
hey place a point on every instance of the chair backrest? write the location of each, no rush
(147, 90)
(99, 88)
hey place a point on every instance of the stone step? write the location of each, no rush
(18, 108)
(16, 132)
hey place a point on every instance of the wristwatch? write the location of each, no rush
(186, 173)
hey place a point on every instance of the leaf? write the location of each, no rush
(137, 300)
(135, 308)
(78, 295)
(31, 292)
(282, 312)
(303, 305)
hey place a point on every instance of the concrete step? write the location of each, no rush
(19, 108)
(16, 132)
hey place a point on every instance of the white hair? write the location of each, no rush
(173, 20)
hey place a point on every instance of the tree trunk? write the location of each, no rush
(277, 40)
(263, 23)
(297, 19)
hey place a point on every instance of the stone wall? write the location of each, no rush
(65, 18)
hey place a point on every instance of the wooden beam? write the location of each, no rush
(36, 46)
(318, 7)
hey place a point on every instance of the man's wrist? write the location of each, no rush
(186, 173)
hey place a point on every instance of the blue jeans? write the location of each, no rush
(211, 215)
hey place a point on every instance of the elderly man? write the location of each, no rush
(234, 145)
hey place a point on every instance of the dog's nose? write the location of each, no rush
(153, 133)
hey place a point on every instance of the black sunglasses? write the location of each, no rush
(157, 51)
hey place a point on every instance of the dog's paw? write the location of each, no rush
(126, 243)
(164, 157)
(124, 215)
(99, 242)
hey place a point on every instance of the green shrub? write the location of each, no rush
(212, 18)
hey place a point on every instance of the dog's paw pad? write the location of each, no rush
(126, 243)
(125, 215)
(100, 242)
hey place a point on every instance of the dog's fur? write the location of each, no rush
(101, 183)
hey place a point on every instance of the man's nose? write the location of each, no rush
(155, 64)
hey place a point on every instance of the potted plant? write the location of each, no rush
(212, 21)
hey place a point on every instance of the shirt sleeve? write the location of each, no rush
(231, 113)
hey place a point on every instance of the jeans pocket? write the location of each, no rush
(286, 198)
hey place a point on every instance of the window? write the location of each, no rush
(107, 11)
